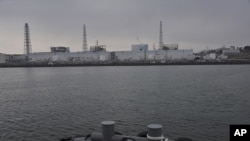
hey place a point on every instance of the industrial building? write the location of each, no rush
(3, 58)
(138, 52)
(69, 57)
(98, 53)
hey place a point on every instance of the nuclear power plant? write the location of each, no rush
(97, 53)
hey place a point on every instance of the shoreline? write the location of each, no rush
(231, 62)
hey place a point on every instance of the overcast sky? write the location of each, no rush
(193, 24)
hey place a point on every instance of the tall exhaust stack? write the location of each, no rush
(161, 37)
(27, 42)
(84, 46)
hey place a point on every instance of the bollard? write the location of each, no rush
(107, 130)
(155, 132)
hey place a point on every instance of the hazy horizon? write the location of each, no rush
(192, 24)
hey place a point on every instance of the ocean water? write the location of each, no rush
(198, 102)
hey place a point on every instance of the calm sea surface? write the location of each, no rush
(198, 102)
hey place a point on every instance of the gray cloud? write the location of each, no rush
(117, 23)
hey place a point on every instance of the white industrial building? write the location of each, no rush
(69, 57)
(224, 52)
(231, 50)
(138, 52)
(66, 56)
(210, 56)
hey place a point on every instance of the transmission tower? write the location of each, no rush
(27, 42)
(84, 46)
